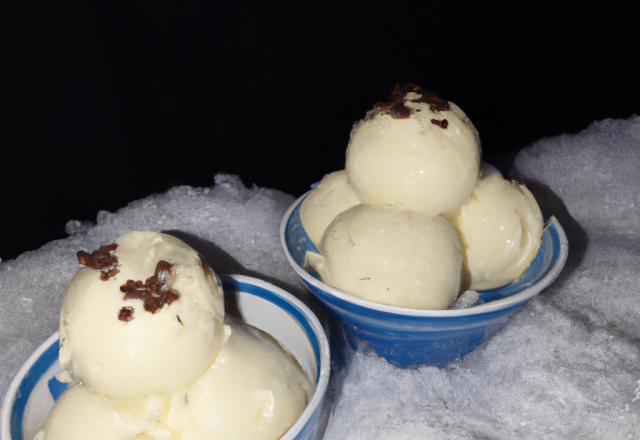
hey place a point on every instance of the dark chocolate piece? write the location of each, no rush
(102, 260)
(154, 292)
(396, 107)
(442, 124)
(125, 314)
(396, 110)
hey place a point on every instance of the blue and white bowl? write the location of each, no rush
(34, 390)
(409, 337)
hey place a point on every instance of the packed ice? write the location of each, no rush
(567, 364)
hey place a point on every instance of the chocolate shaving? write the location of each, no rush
(396, 107)
(442, 124)
(102, 259)
(397, 110)
(125, 314)
(154, 292)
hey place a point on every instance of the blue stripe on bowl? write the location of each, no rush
(299, 243)
(540, 266)
(231, 284)
(410, 337)
(56, 388)
(30, 380)
(41, 363)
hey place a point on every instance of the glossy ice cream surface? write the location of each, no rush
(418, 151)
(81, 414)
(391, 256)
(332, 196)
(145, 341)
(500, 229)
(254, 390)
(160, 351)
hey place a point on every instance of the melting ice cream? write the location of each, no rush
(150, 355)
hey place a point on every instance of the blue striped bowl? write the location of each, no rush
(34, 390)
(408, 337)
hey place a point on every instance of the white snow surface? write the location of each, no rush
(566, 366)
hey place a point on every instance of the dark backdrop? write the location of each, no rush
(107, 102)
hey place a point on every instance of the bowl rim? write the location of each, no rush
(492, 306)
(314, 404)
(12, 392)
(324, 365)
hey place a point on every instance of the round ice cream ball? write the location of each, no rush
(391, 256)
(332, 196)
(133, 347)
(426, 159)
(80, 414)
(500, 229)
(252, 391)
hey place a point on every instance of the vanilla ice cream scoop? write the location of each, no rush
(500, 229)
(81, 414)
(144, 317)
(391, 256)
(332, 196)
(417, 151)
(253, 391)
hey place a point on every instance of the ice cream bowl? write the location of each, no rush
(35, 389)
(409, 337)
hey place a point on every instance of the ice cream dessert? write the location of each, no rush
(417, 151)
(500, 229)
(81, 414)
(414, 163)
(150, 354)
(252, 383)
(332, 196)
(149, 321)
(253, 390)
(391, 256)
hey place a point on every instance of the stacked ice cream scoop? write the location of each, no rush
(150, 355)
(415, 218)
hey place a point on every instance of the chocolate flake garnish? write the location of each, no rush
(102, 260)
(396, 107)
(154, 292)
(125, 314)
(442, 124)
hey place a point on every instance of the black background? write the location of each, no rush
(104, 103)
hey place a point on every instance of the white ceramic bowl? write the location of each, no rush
(33, 391)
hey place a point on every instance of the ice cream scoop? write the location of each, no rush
(332, 196)
(144, 317)
(391, 256)
(81, 414)
(417, 151)
(500, 229)
(253, 391)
